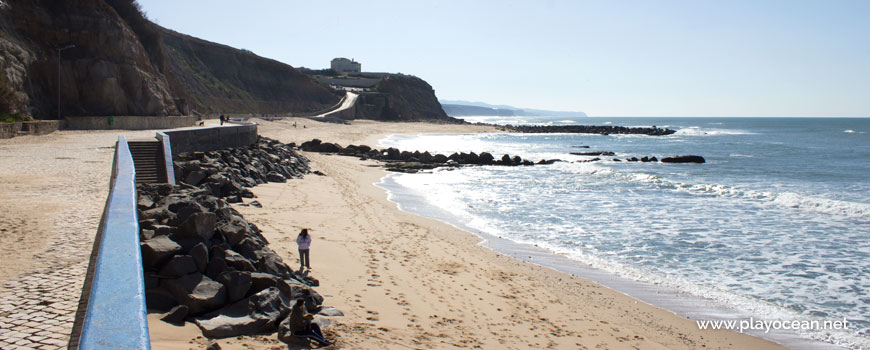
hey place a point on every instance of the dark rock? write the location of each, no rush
(256, 204)
(275, 177)
(177, 315)
(201, 225)
(159, 299)
(653, 159)
(645, 159)
(259, 313)
(594, 153)
(144, 203)
(200, 293)
(234, 230)
(158, 250)
(225, 326)
(237, 261)
(178, 266)
(485, 158)
(195, 177)
(199, 252)
(213, 346)
(684, 159)
(237, 282)
(272, 263)
(216, 266)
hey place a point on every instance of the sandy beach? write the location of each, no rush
(402, 281)
(407, 282)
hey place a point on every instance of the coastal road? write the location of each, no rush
(349, 101)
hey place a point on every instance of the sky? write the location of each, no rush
(766, 58)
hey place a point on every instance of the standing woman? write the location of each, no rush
(304, 243)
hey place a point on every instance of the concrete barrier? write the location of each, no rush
(8, 130)
(129, 122)
(116, 315)
(211, 138)
(167, 156)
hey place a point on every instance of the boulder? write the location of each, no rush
(178, 266)
(236, 260)
(199, 225)
(684, 159)
(485, 158)
(195, 177)
(224, 326)
(199, 252)
(259, 313)
(158, 250)
(197, 291)
(176, 315)
(275, 177)
(237, 283)
(159, 299)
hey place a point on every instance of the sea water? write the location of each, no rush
(776, 223)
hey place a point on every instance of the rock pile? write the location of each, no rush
(405, 161)
(410, 162)
(226, 173)
(203, 261)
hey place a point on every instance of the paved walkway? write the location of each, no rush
(52, 192)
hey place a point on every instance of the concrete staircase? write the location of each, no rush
(148, 160)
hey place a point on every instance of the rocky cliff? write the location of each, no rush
(122, 64)
(402, 98)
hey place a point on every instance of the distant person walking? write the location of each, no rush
(222, 119)
(304, 243)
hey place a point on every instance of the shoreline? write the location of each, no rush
(404, 280)
(682, 304)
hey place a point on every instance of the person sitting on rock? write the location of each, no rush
(301, 326)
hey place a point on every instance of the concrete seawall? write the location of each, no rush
(129, 122)
(36, 127)
(210, 139)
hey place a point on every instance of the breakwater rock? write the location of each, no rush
(203, 262)
(227, 173)
(411, 162)
(404, 161)
(588, 129)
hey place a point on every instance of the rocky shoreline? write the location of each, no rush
(411, 162)
(204, 263)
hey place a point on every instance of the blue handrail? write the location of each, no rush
(116, 316)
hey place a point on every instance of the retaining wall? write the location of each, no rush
(129, 122)
(36, 127)
(212, 138)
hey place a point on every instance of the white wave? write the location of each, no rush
(738, 155)
(782, 199)
(698, 131)
(850, 131)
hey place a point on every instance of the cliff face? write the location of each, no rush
(122, 64)
(402, 98)
(220, 78)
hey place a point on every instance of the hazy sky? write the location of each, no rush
(606, 58)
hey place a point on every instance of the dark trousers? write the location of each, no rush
(304, 260)
(313, 333)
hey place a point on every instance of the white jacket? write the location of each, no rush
(303, 242)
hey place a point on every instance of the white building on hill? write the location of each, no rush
(344, 65)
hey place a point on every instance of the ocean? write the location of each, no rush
(775, 226)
